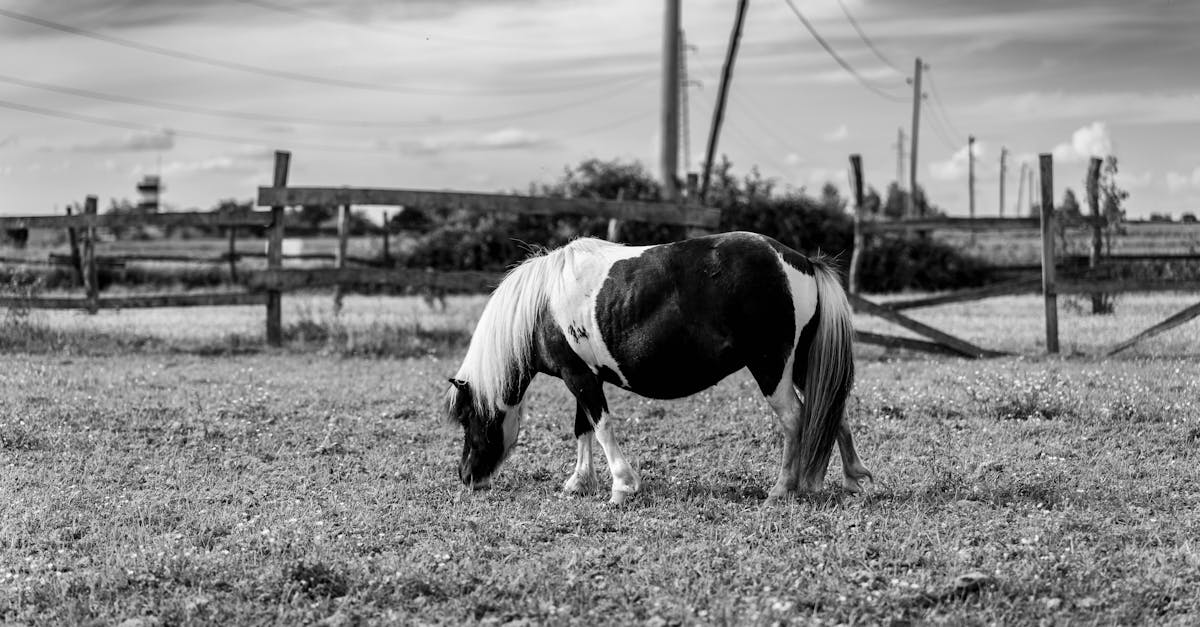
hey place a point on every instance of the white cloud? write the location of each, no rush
(503, 139)
(1135, 181)
(957, 165)
(1086, 142)
(159, 140)
(836, 135)
(1177, 182)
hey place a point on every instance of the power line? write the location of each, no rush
(938, 100)
(842, 62)
(867, 40)
(133, 126)
(284, 74)
(436, 39)
(261, 117)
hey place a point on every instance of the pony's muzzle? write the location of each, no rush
(469, 479)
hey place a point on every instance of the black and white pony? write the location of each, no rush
(664, 322)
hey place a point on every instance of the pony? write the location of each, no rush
(664, 322)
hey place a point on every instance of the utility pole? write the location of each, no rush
(714, 133)
(684, 110)
(971, 175)
(1003, 174)
(916, 131)
(900, 158)
(669, 162)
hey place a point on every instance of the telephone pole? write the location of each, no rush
(669, 161)
(714, 133)
(1003, 173)
(684, 86)
(971, 174)
(916, 131)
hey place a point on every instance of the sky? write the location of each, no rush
(493, 95)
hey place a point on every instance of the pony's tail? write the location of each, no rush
(829, 375)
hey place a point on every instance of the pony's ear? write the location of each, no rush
(458, 383)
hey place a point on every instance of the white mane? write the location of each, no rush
(502, 345)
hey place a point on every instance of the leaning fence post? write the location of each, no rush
(91, 282)
(614, 225)
(1049, 290)
(856, 188)
(340, 257)
(275, 252)
(387, 254)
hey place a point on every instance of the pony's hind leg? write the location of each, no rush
(853, 470)
(786, 405)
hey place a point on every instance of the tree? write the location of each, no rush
(1069, 208)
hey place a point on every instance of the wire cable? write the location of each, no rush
(262, 117)
(284, 74)
(842, 62)
(867, 40)
(938, 101)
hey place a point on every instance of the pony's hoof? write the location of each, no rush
(580, 486)
(620, 497)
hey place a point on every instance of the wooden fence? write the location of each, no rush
(266, 287)
(1093, 279)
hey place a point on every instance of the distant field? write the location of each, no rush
(195, 479)
(1024, 247)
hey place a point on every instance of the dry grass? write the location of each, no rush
(316, 486)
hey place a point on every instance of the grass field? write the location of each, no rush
(164, 468)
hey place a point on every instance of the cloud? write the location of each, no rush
(1177, 182)
(956, 167)
(244, 160)
(8, 140)
(160, 140)
(836, 135)
(1135, 181)
(1090, 141)
(503, 139)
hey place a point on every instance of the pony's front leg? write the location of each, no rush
(625, 479)
(583, 481)
(853, 470)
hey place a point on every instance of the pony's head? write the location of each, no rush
(489, 434)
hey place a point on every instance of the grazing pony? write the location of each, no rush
(664, 322)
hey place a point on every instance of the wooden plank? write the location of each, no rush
(275, 251)
(1166, 325)
(1088, 286)
(138, 302)
(629, 210)
(181, 218)
(949, 224)
(1049, 293)
(896, 341)
(960, 346)
(1008, 288)
(295, 278)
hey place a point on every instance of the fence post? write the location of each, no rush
(340, 256)
(91, 278)
(856, 188)
(76, 259)
(387, 255)
(233, 253)
(1049, 290)
(614, 225)
(283, 159)
(693, 198)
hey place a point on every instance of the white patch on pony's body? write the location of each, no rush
(574, 306)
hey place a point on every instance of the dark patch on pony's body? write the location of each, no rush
(679, 318)
(577, 333)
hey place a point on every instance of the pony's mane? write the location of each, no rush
(501, 348)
